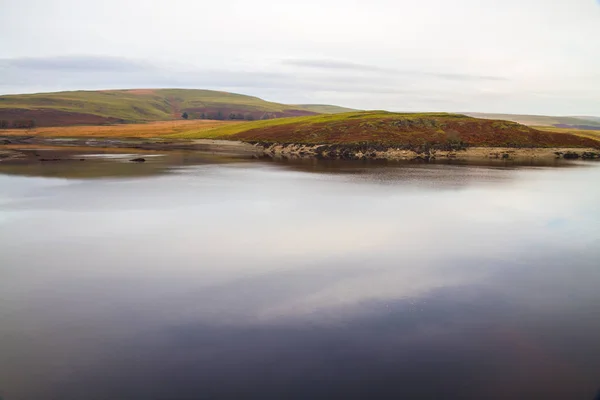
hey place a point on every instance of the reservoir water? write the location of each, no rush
(192, 277)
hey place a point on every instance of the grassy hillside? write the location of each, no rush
(141, 105)
(146, 130)
(586, 133)
(393, 129)
(542, 120)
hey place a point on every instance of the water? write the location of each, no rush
(191, 277)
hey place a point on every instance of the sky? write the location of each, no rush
(513, 56)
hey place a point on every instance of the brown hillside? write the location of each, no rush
(50, 117)
(410, 131)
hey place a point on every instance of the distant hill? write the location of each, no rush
(589, 118)
(404, 130)
(543, 120)
(142, 105)
(324, 108)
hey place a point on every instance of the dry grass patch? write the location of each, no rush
(590, 134)
(154, 129)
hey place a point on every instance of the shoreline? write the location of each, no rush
(9, 149)
(350, 152)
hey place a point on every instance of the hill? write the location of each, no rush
(591, 123)
(588, 133)
(410, 131)
(324, 108)
(141, 105)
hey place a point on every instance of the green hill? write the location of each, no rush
(142, 105)
(422, 130)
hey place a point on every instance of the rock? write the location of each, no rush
(569, 155)
(140, 159)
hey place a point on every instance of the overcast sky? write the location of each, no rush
(519, 56)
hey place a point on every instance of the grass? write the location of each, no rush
(149, 130)
(125, 106)
(590, 134)
(145, 105)
(406, 130)
(309, 122)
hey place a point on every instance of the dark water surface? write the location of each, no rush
(188, 278)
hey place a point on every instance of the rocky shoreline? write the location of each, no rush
(9, 149)
(362, 152)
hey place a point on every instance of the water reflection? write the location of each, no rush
(91, 163)
(261, 280)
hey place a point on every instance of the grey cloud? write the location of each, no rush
(376, 91)
(109, 72)
(397, 92)
(464, 77)
(75, 63)
(350, 66)
(371, 57)
(332, 64)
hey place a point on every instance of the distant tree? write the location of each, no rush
(239, 116)
(232, 116)
(203, 116)
(248, 117)
(220, 115)
(265, 116)
(185, 115)
(4, 124)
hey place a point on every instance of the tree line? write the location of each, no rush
(17, 124)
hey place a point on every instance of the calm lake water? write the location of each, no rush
(192, 277)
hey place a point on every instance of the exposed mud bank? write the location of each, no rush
(8, 154)
(10, 145)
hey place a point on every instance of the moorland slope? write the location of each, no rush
(410, 131)
(141, 105)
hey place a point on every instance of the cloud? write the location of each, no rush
(332, 64)
(463, 77)
(346, 66)
(519, 56)
(295, 81)
(101, 72)
(74, 63)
